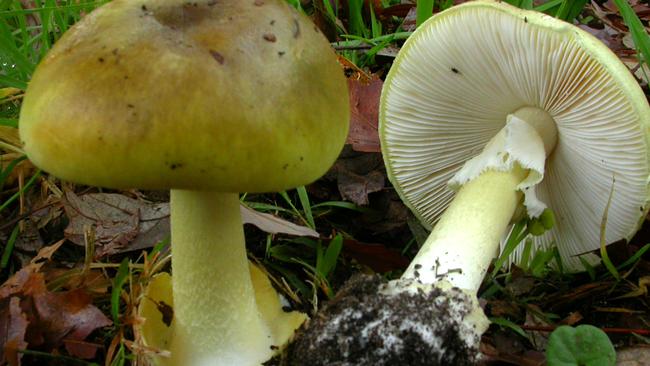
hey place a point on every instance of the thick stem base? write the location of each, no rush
(466, 239)
(216, 319)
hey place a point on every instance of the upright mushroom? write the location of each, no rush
(501, 104)
(208, 99)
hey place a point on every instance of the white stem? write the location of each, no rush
(466, 238)
(216, 319)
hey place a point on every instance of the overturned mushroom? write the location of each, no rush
(208, 99)
(501, 104)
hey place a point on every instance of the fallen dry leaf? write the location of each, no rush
(13, 326)
(355, 188)
(364, 114)
(61, 317)
(121, 223)
(378, 257)
(29, 240)
(125, 224)
(358, 174)
(533, 319)
(509, 350)
(633, 357)
(16, 283)
(274, 225)
(31, 315)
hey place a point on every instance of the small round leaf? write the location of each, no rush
(584, 345)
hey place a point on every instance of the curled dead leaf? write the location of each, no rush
(274, 225)
(31, 315)
(121, 223)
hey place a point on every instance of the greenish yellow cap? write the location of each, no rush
(207, 95)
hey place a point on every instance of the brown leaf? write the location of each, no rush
(358, 174)
(32, 315)
(378, 257)
(533, 319)
(61, 316)
(81, 349)
(13, 325)
(29, 240)
(364, 114)
(510, 350)
(121, 223)
(274, 225)
(633, 357)
(609, 36)
(355, 188)
(17, 282)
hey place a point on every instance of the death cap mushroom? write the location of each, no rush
(176, 101)
(458, 79)
(207, 99)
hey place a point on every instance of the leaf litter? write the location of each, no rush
(35, 316)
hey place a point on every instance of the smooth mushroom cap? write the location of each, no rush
(213, 95)
(464, 71)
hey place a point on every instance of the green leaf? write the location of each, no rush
(15, 196)
(584, 345)
(9, 247)
(517, 234)
(4, 174)
(508, 324)
(158, 247)
(424, 10)
(118, 282)
(9, 122)
(637, 30)
(331, 255)
(306, 206)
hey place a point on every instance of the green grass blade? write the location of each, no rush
(158, 248)
(634, 257)
(306, 206)
(637, 30)
(424, 11)
(517, 234)
(8, 81)
(375, 24)
(264, 207)
(294, 210)
(603, 228)
(15, 196)
(570, 9)
(510, 325)
(355, 15)
(341, 204)
(547, 6)
(525, 254)
(9, 122)
(357, 40)
(526, 4)
(118, 282)
(9, 247)
(331, 256)
(10, 167)
(11, 53)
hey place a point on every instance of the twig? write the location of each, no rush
(542, 328)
